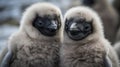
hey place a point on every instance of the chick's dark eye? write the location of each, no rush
(87, 27)
(40, 23)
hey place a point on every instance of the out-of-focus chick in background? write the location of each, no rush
(116, 4)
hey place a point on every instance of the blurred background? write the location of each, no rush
(11, 12)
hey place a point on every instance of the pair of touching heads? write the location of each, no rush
(46, 19)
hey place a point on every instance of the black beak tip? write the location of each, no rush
(53, 29)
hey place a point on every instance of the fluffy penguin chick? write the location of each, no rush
(37, 42)
(84, 44)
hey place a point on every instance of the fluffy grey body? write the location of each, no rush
(35, 53)
(91, 54)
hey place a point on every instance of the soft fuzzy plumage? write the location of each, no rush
(90, 51)
(30, 48)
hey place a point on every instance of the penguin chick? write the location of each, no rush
(108, 15)
(37, 42)
(117, 7)
(84, 44)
